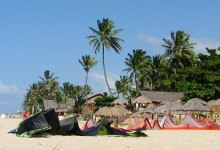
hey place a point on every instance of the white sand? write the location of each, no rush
(157, 140)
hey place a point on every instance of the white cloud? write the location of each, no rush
(9, 89)
(201, 44)
(99, 80)
(149, 39)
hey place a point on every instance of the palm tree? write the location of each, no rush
(178, 50)
(32, 97)
(87, 62)
(137, 63)
(65, 91)
(77, 93)
(126, 85)
(59, 98)
(50, 85)
(157, 68)
(118, 87)
(105, 37)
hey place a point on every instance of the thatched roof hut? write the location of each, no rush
(142, 99)
(211, 102)
(68, 107)
(193, 106)
(149, 109)
(120, 102)
(140, 115)
(158, 96)
(104, 111)
(198, 100)
(167, 107)
(216, 103)
(115, 111)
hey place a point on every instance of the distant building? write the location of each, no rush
(157, 97)
(90, 104)
(68, 107)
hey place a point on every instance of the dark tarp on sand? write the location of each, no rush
(48, 121)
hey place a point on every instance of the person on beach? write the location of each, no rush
(136, 105)
(25, 114)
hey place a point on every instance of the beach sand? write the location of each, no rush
(157, 140)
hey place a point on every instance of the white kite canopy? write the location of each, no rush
(189, 123)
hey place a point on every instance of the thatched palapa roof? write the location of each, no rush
(120, 102)
(198, 100)
(193, 106)
(167, 107)
(142, 99)
(115, 111)
(51, 103)
(149, 109)
(157, 96)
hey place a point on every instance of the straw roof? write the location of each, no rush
(170, 101)
(198, 100)
(193, 106)
(120, 101)
(140, 115)
(51, 103)
(211, 103)
(115, 111)
(214, 108)
(168, 107)
(104, 111)
(216, 103)
(158, 96)
(142, 99)
(149, 109)
(118, 111)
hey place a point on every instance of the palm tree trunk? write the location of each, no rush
(87, 105)
(103, 64)
(135, 78)
(32, 109)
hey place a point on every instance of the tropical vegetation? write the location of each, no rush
(103, 38)
(178, 69)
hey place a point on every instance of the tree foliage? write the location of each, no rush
(203, 79)
(105, 100)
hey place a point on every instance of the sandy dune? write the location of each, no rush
(157, 140)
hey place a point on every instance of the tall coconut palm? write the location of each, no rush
(118, 87)
(50, 84)
(178, 49)
(137, 63)
(87, 62)
(126, 85)
(31, 97)
(105, 38)
(157, 68)
(59, 98)
(77, 93)
(65, 91)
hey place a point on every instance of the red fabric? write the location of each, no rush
(25, 114)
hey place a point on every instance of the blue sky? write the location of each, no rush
(51, 35)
